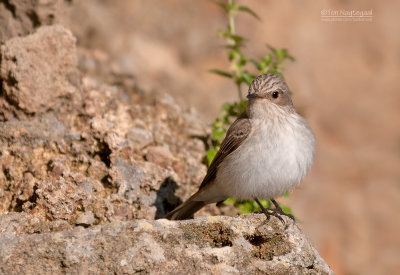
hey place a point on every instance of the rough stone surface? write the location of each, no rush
(21, 17)
(40, 69)
(159, 155)
(69, 150)
(86, 219)
(215, 245)
(139, 137)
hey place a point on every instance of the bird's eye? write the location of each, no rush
(275, 94)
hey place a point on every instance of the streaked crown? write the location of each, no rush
(271, 87)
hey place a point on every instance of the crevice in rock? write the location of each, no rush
(32, 15)
(11, 80)
(34, 197)
(166, 200)
(104, 153)
(217, 235)
(266, 248)
(50, 18)
(106, 181)
(221, 238)
(310, 266)
(19, 203)
(9, 7)
(256, 240)
(7, 174)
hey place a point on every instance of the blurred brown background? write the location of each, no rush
(345, 82)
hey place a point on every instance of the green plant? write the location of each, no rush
(241, 74)
(250, 206)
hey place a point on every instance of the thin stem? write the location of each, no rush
(231, 19)
(239, 92)
(231, 15)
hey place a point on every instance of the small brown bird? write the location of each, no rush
(267, 151)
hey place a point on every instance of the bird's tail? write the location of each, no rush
(185, 210)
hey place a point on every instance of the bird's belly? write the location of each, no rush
(263, 169)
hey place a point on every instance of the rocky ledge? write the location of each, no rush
(248, 244)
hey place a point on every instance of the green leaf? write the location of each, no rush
(210, 155)
(233, 6)
(242, 106)
(264, 203)
(276, 72)
(226, 107)
(283, 54)
(249, 11)
(291, 58)
(242, 60)
(222, 5)
(229, 201)
(286, 209)
(233, 112)
(267, 59)
(248, 77)
(255, 63)
(218, 134)
(272, 49)
(233, 54)
(245, 207)
(217, 123)
(237, 38)
(221, 73)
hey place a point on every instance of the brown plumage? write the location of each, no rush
(237, 132)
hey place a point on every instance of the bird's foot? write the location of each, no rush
(280, 211)
(276, 212)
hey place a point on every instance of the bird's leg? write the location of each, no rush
(279, 210)
(267, 214)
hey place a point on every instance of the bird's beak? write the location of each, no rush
(251, 96)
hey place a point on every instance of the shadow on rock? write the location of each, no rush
(166, 199)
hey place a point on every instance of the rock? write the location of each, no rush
(85, 219)
(139, 137)
(248, 244)
(17, 224)
(159, 155)
(59, 225)
(38, 70)
(128, 178)
(97, 168)
(57, 167)
(59, 199)
(86, 154)
(114, 141)
(18, 17)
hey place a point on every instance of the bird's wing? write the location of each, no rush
(236, 134)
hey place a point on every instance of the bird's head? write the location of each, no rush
(269, 89)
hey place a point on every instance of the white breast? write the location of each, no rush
(272, 160)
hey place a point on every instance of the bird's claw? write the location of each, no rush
(276, 212)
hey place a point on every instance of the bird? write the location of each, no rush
(267, 151)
